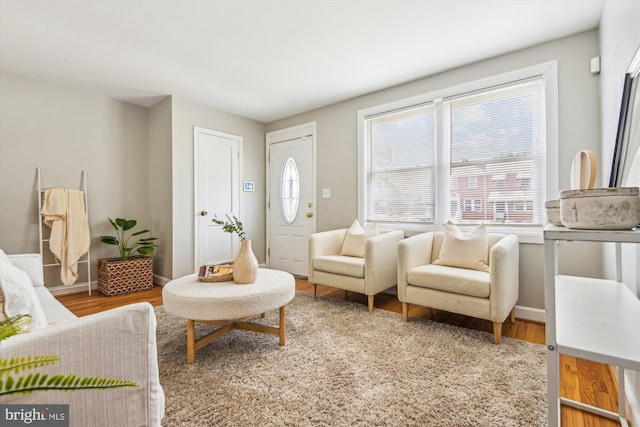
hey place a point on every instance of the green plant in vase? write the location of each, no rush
(245, 266)
(231, 225)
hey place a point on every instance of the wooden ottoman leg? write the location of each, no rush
(282, 325)
(191, 342)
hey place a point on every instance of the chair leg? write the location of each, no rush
(405, 311)
(370, 298)
(346, 295)
(497, 332)
(315, 290)
(512, 315)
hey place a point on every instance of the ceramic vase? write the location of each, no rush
(245, 266)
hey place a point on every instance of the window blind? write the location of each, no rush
(497, 152)
(473, 157)
(401, 178)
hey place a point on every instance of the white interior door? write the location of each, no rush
(291, 200)
(217, 192)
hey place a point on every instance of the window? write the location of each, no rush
(474, 153)
(472, 182)
(401, 179)
(290, 190)
(473, 205)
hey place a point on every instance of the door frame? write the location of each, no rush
(282, 135)
(238, 193)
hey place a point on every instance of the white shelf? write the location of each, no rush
(598, 320)
(554, 232)
(589, 318)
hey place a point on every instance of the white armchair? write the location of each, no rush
(370, 275)
(485, 295)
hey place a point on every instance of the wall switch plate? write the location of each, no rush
(326, 193)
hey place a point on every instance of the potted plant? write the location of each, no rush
(245, 266)
(133, 270)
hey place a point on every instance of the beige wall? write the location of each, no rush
(160, 175)
(139, 164)
(186, 115)
(65, 131)
(579, 128)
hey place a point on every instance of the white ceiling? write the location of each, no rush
(268, 59)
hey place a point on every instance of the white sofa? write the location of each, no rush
(116, 344)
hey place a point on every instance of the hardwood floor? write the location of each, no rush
(582, 380)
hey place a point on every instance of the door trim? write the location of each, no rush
(282, 135)
(196, 146)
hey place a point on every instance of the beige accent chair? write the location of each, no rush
(486, 295)
(370, 275)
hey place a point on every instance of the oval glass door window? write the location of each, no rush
(290, 193)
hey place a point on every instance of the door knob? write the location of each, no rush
(204, 213)
(309, 214)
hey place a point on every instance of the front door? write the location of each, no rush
(291, 200)
(217, 192)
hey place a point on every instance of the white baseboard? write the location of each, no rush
(73, 289)
(529, 313)
(160, 280)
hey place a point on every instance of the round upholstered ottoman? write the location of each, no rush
(228, 305)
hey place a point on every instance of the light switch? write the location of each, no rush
(326, 193)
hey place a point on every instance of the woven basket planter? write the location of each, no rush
(116, 276)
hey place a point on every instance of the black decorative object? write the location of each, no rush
(619, 149)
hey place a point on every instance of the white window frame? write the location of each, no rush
(548, 71)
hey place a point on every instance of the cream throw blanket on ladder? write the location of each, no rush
(63, 211)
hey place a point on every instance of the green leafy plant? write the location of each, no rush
(231, 225)
(27, 384)
(124, 242)
(14, 325)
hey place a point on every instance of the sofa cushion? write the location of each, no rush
(54, 310)
(354, 241)
(31, 264)
(338, 264)
(450, 279)
(468, 250)
(20, 296)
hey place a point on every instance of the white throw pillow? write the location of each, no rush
(464, 250)
(4, 258)
(354, 241)
(19, 295)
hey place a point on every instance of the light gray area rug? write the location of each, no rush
(344, 366)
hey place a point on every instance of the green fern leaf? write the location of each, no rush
(29, 384)
(18, 364)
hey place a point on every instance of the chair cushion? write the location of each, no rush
(338, 264)
(450, 279)
(468, 250)
(354, 241)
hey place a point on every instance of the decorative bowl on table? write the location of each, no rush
(553, 212)
(615, 208)
(222, 272)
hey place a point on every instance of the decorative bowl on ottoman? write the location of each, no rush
(616, 208)
(553, 212)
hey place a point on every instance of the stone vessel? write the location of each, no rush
(616, 208)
